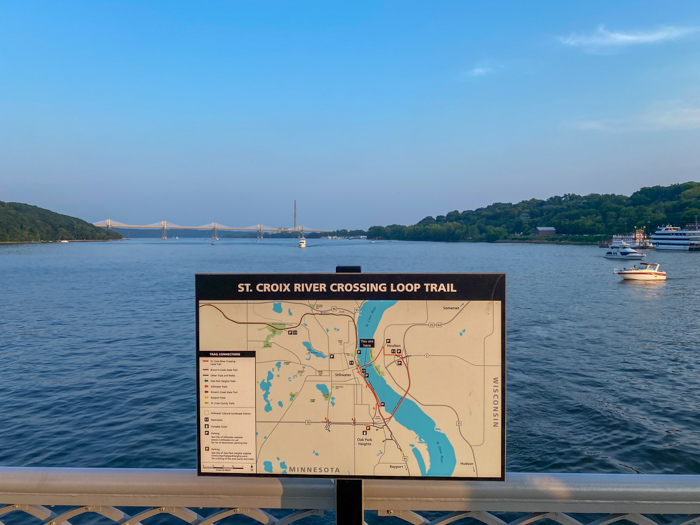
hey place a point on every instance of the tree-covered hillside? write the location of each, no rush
(25, 223)
(570, 214)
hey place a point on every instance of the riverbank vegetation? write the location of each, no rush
(26, 223)
(340, 234)
(581, 219)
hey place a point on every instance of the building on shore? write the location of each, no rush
(545, 231)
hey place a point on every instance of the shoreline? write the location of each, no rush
(503, 241)
(499, 241)
(542, 241)
(60, 242)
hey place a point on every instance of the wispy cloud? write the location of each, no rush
(604, 41)
(665, 116)
(681, 118)
(480, 71)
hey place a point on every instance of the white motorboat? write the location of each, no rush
(674, 238)
(302, 242)
(647, 272)
(623, 252)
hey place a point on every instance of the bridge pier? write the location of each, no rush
(163, 230)
(214, 232)
(260, 232)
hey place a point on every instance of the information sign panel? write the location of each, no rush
(351, 375)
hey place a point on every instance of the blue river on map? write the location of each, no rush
(409, 414)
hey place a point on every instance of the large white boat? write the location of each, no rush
(623, 252)
(637, 239)
(674, 238)
(647, 272)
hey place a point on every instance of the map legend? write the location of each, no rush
(227, 412)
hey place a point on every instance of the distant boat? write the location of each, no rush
(62, 241)
(623, 252)
(302, 242)
(674, 238)
(637, 239)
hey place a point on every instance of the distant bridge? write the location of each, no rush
(215, 228)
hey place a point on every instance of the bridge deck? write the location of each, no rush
(163, 225)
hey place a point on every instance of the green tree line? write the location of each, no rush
(26, 223)
(316, 235)
(570, 214)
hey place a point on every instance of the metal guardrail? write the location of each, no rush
(536, 497)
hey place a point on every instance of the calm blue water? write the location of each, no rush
(97, 363)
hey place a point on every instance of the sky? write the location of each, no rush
(364, 112)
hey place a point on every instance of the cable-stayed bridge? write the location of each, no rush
(215, 228)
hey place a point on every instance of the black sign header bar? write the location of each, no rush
(429, 286)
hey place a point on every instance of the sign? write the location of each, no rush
(351, 375)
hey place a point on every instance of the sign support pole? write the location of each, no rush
(349, 502)
(349, 493)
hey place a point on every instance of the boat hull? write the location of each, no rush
(642, 276)
(677, 247)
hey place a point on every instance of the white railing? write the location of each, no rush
(181, 493)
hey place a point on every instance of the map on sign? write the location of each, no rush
(364, 387)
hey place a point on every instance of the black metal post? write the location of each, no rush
(348, 269)
(349, 497)
(349, 502)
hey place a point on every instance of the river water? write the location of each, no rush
(97, 363)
